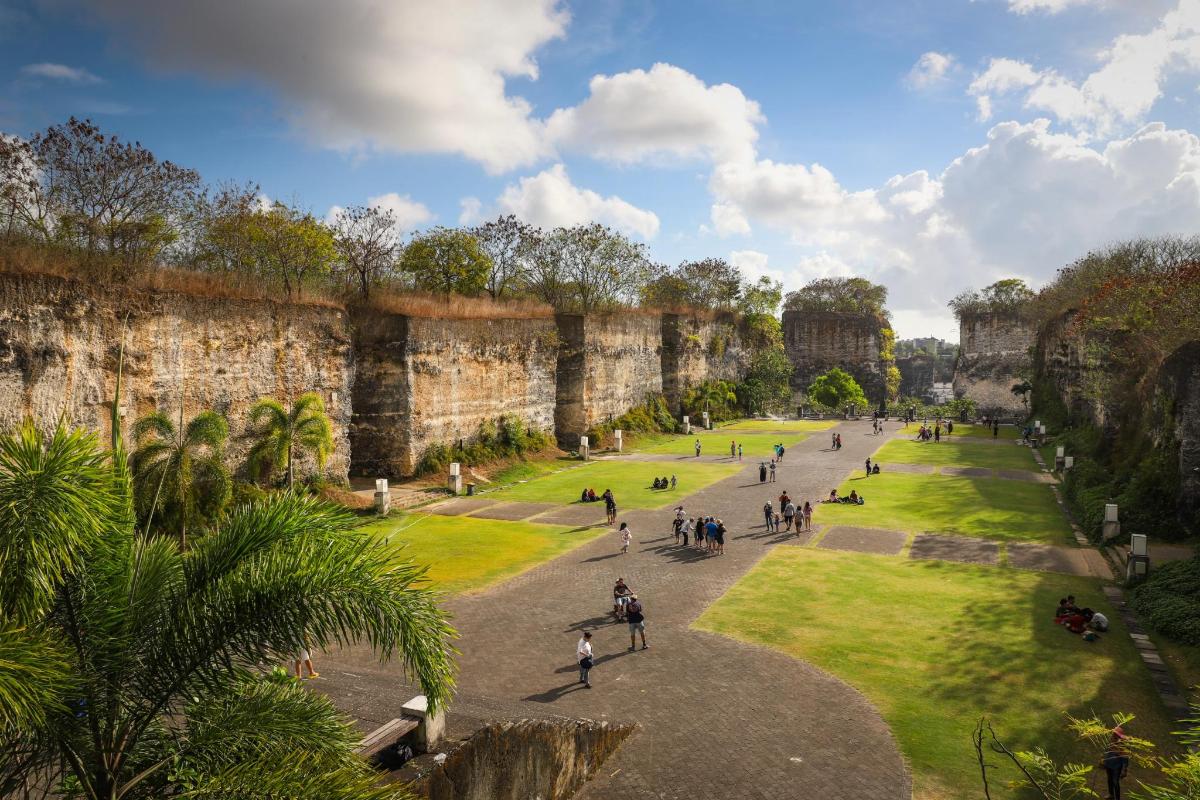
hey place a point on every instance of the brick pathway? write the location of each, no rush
(719, 718)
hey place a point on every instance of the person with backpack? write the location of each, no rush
(583, 655)
(789, 514)
(769, 514)
(635, 615)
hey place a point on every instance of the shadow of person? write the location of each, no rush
(558, 692)
(601, 558)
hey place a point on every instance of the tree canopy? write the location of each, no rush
(837, 389)
(709, 283)
(850, 295)
(1008, 296)
(446, 261)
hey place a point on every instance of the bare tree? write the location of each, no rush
(367, 240)
(511, 245)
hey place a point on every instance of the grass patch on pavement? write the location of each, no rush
(960, 454)
(716, 443)
(789, 425)
(629, 480)
(936, 645)
(994, 508)
(466, 554)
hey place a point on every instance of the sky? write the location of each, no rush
(930, 145)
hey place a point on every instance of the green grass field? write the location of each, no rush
(629, 480)
(936, 645)
(977, 431)
(994, 508)
(716, 443)
(789, 425)
(466, 555)
(903, 451)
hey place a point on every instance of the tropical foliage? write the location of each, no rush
(283, 434)
(179, 475)
(837, 389)
(129, 668)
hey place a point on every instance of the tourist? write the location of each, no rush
(778, 521)
(720, 538)
(949, 427)
(768, 514)
(839, 441)
(710, 534)
(772, 470)
(833, 443)
(583, 496)
(674, 481)
(610, 506)
(303, 656)
(685, 529)
(875, 469)
(833, 496)
(937, 433)
(583, 654)
(679, 520)
(1098, 622)
(868, 466)
(789, 514)
(784, 499)
(854, 497)
(782, 450)
(739, 451)
(807, 515)
(621, 594)
(591, 495)
(995, 430)
(697, 448)
(1116, 763)
(636, 617)
(626, 537)
(762, 472)
(732, 448)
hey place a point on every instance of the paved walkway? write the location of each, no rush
(719, 718)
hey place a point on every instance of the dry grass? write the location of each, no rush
(433, 306)
(345, 498)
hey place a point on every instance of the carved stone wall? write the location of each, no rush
(817, 341)
(994, 354)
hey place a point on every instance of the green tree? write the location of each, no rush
(510, 246)
(588, 268)
(717, 397)
(179, 473)
(851, 295)
(836, 389)
(447, 261)
(767, 385)
(1008, 296)
(708, 283)
(291, 247)
(281, 432)
(129, 668)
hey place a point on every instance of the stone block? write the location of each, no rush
(433, 724)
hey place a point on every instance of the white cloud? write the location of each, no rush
(550, 200)
(409, 213)
(418, 76)
(931, 69)
(663, 112)
(1025, 203)
(470, 211)
(61, 72)
(1121, 91)
(729, 220)
(1047, 6)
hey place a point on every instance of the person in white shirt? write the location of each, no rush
(583, 654)
(1098, 622)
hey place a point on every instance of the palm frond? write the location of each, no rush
(298, 778)
(35, 674)
(155, 425)
(207, 429)
(268, 414)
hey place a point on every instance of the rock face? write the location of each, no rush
(607, 363)
(697, 348)
(994, 354)
(59, 341)
(1068, 364)
(544, 759)
(421, 381)
(1178, 390)
(918, 374)
(817, 341)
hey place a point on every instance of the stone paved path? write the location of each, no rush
(720, 719)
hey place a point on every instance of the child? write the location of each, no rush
(626, 537)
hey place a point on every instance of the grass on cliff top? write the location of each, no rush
(992, 508)
(781, 425)
(629, 480)
(944, 453)
(467, 555)
(936, 645)
(755, 446)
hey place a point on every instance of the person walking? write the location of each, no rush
(772, 470)
(583, 655)
(635, 614)
(762, 472)
(679, 519)
(610, 506)
(739, 451)
(303, 656)
(1116, 763)
(789, 514)
(807, 515)
(626, 537)
(782, 450)
(674, 481)
(697, 448)
(768, 513)
(868, 466)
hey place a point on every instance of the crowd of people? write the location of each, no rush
(926, 432)
(705, 532)
(1084, 621)
(788, 514)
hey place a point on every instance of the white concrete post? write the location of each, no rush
(584, 449)
(1068, 462)
(1112, 525)
(383, 498)
(1060, 454)
(687, 426)
(455, 482)
(432, 727)
(1138, 565)
(707, 422)
(617, 440)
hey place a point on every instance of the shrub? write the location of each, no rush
(652, 416)
(1087, 487)
(1169, 600)
(246, 493)
(1148, 501)
(502, 438)
(436, 458)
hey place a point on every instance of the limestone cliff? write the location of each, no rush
(697, 348)
(817, 341)
(994, 354)
(59, 340)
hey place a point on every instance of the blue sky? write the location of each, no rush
(932, 146)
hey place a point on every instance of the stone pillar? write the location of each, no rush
(1068, 462)
(455, 482)
(617, 440)
(433, 725)
(584, 450)
(383, 498)
(687, 425)
(707, 422)
(1138, 565)
(1060, 457)
(1112, 527)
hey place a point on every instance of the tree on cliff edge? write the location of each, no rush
(848, 295)
(281, 433)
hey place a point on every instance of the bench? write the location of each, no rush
(387, 735)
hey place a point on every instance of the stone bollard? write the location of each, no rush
(432, 727)
(687, 426)
(617, 440)
(1068, 462)
(1138, 565)
(1112, 526)
(383, 498)
(707, 422)
(1060, 454)
(584, 450)
(455, 482)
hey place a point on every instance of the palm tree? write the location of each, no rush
(281, 433)
(182, 469)
(129, 666)
(1023, 389)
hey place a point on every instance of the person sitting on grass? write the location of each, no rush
(583, 496)
(875, 468)
(853, 497)
(833, 497)
(656, 484)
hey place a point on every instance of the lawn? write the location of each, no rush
(978, 431)
(936, 645)
(999, 456)
(716, 443)
(994, 508)
(789, 425)
(629, 480)
(467, 554)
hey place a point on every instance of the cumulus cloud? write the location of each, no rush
(1121, 91)
(61, 72)
(663, 112)
(550, 199)
(931, 69)
(1024, 203)
(418, 76)
(1048, 6)
(470, 210)
(410, 214)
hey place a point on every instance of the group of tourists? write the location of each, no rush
(926, 433)
(852, 499)
(765, 471)
(788, 513)
(735, 449)
(1084, 621)
(663, 483)
(706, 533)
(836, 441)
